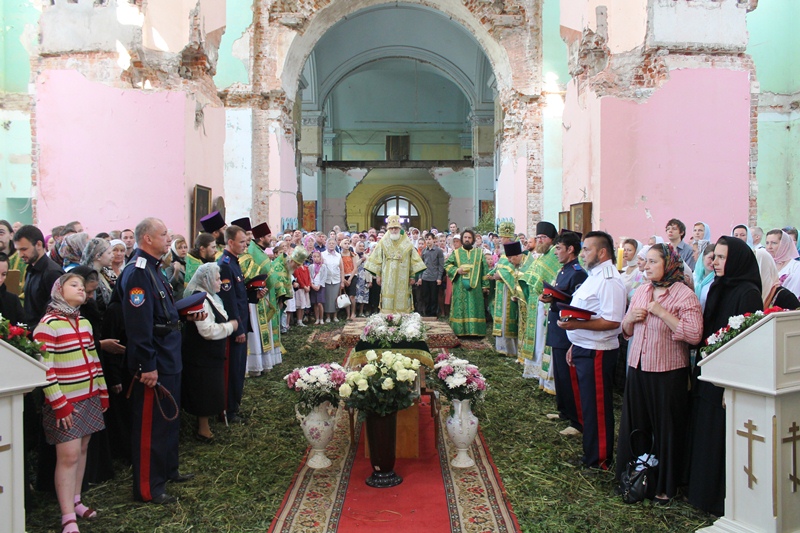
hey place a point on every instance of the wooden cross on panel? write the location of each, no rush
(4, 448)
(793, 439)
(750, 436)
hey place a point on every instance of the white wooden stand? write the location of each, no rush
(760, 370)
(19, 373)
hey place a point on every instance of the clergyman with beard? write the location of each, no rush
(544, 269)
(394, 262)
(468, 270)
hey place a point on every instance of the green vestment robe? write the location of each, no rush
(467, 314)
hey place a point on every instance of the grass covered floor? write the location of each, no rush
(242, 477)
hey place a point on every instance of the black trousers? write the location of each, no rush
(154, 440)
(235, 368)
(430, 296)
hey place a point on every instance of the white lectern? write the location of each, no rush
(20, 374)
(760, 370)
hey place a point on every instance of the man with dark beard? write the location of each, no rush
(204, 251)
(468, 269)
(214, 224)
(544, 269)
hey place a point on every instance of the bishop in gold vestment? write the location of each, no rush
(395, 262)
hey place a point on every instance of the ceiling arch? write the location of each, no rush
(442, 64)
(446, 29)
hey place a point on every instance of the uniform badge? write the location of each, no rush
(136, 296)
(577, 266)
(226, 259)
(225, 285)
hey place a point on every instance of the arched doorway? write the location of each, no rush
(396, 205)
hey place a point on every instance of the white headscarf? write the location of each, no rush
(203, 280)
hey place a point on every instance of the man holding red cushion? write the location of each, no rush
(595, 344)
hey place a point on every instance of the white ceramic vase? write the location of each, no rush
(462, 427)
(318, 430)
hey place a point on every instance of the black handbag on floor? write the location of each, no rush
(638, 481)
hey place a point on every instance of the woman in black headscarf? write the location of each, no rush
(736, 290)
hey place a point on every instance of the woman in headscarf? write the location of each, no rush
(701, 236)
(704, 274)
(630, 272)
(655, 239)
(742, 232)
(117, 261)
(76, 394)
(98, 256)
(176, 272)
(736, 290)
(203, 351)
(781, 247)
(71, 250)
(772, 292)
(663, 320)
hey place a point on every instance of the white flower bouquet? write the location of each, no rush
(386, 330)
(458, 379)
(736, 325)
(385, 384)
(316, 384)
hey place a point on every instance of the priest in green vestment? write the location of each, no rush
(468, 270)
(203, 251)
(543, 269)
(505, 311)
(394, 262)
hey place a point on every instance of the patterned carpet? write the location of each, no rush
(475, 496)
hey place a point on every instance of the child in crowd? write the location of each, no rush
(302, 289)
(318, 272)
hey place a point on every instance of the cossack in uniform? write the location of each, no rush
(154, 343)
(233, 294)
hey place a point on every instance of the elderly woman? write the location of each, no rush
(663, 320)
(781, 247)
(71, 250)
(335, 281)
(736, 290)
(203, 351)
(98, 256)
(75, 395)
(117, 261)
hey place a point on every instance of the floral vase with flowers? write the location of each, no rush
(383, 386)
(318, 387)
(463, 385)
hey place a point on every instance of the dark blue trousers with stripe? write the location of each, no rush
(154, 440)
(567, 397)
(236, 369)
(595, 372)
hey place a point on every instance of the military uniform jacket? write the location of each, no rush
(233, 292)
(152, 324)
(569, 278)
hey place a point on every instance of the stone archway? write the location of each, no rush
(285, 33)
(430, 199)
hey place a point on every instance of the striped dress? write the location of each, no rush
(74, 373)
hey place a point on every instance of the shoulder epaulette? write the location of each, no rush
(141, 262)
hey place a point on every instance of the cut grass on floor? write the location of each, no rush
(242, 477)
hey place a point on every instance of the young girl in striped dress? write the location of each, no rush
(76, 395)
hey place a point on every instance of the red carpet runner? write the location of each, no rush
(434, 497)
(418, 503)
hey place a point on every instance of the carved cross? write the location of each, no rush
(4, 448)
(750, 436)
(793, 439)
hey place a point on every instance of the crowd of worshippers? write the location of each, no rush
(140, 323)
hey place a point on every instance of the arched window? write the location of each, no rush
(396, 205)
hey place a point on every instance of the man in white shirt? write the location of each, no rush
(595, 345)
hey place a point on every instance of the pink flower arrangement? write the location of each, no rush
(458, 379)
(316, 384)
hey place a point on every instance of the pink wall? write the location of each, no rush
(282, 180)
(110, 157)
(683, 153)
